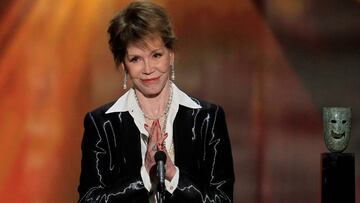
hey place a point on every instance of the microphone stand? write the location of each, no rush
(161, 193)
(160, 197)
(160, 158)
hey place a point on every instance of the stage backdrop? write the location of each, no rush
(272, 65)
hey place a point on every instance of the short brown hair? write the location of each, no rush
(135, 22)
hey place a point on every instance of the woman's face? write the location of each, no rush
(148, 63)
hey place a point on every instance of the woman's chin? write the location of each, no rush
(150, 92)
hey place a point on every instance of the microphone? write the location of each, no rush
(160, 158)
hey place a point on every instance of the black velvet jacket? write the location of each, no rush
(111, 157)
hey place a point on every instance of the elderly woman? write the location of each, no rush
(122, 137)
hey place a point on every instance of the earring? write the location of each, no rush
(172, 72)
(125, 81)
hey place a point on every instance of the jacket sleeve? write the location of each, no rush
(215, 183)
(99, 180)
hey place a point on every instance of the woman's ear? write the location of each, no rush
(122, 66)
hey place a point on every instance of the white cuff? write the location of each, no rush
(172, 185)
(145, 178)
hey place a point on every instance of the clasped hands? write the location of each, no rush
(156, 143)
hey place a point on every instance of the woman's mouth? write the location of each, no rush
(150, 80)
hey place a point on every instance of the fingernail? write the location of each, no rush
(160, 147)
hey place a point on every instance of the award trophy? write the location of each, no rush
(338, 168)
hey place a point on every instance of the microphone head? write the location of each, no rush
(160, 156)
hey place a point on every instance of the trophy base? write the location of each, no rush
(338, 178)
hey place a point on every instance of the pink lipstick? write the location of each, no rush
(149, 80)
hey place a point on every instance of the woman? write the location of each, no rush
(122, 137)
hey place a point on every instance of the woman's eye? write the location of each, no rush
(157, 55)
(134, 59)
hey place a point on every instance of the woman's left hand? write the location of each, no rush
(170, 168)
(169, 165)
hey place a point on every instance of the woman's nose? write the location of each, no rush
(148, 67)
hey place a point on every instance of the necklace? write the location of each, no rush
(164, 113)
